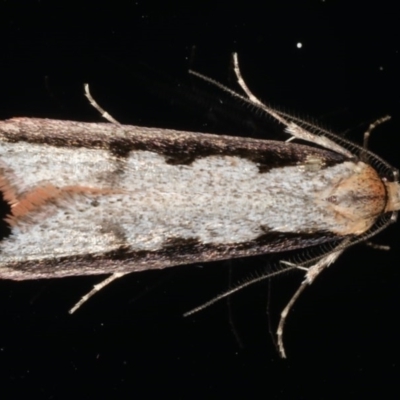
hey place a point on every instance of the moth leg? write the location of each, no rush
(372, 126)
(291, 127)
(312, 272)
(377, 246)
(100, 109)
(97, 288)
(242, 83)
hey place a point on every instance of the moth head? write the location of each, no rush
(393, 196)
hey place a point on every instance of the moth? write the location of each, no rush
(105, 198)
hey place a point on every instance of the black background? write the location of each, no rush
(130, 341)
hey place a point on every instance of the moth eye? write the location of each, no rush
(94, 203)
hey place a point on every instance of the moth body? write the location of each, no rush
(74, 199)
(85, 198)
